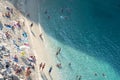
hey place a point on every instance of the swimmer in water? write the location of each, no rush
(46, 12)
(58, 52)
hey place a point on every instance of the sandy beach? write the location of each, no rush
(38, 45)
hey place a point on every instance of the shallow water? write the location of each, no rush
(88, 33)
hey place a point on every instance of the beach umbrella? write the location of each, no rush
(22, 53)
(24, 47)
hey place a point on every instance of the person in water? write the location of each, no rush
(48, 17)
(28, 15)
(103, 74)
(95, 74)
(69, 64)
(58, 52)
(59, 65)
(46, 12)
(78, 77)
(62, 10)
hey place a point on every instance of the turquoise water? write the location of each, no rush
(88, 33)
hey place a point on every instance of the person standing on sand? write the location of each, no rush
(40, 66)
(50, 69)
(43, 66)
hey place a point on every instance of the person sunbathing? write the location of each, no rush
(15, 58)
(18, 70)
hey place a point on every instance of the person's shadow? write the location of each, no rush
(43, 76)
(33, 33)
(50, 77)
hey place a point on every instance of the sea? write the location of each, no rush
(88, 33)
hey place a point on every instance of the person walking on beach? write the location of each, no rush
(50, 69)
(43, 66)
(40, 66)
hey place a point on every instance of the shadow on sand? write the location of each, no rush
(50, 77)
(43, 76)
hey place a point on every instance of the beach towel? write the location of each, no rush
(8, 26)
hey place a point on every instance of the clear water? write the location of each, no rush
(88, 33)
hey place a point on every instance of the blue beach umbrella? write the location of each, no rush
(24, 34)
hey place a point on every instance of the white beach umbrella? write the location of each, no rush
(24, 47)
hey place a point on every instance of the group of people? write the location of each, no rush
(13, 63)
(41, 66)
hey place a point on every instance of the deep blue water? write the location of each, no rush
(88, 33)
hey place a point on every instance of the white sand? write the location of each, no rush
(39, 48)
